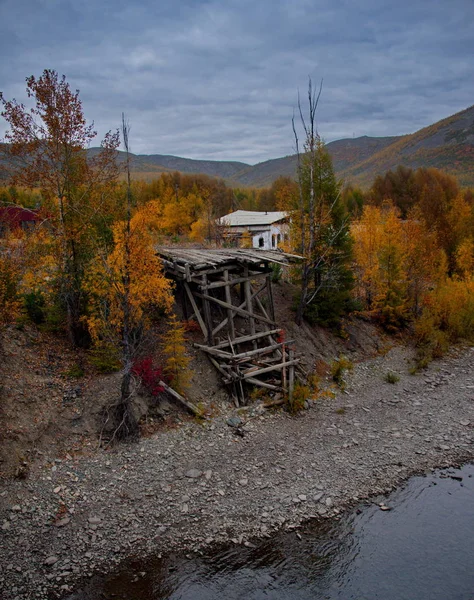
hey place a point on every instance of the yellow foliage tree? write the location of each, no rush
(124, 287)
(177, 363)
(368, 235)
(10, 304)
(246, 240)
(465, 259)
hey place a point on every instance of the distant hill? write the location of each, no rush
(150, 164)
(447, 145)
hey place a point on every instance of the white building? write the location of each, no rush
(268, 230)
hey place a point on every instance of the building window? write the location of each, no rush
(261, 242)
(278, 239)
(273, 241)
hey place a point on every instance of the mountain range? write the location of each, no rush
(447, 145)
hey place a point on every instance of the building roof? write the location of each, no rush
(15, 215)
(251, 217)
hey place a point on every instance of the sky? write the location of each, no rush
(219, 79)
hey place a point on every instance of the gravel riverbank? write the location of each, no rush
(203, 484)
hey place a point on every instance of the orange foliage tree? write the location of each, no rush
(47, 149)
(125, 286)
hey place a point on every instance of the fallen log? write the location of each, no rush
(189, 405)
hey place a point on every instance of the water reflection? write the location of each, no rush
(423, 549)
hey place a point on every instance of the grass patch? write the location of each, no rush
(339, 368)
(391, 377)
(75, 372)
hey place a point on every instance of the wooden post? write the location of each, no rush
(248, 299)
(228, 299)
(291, 383)
(271, 305)
(196, 309)
(207, 314)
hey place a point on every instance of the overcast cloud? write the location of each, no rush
(219, 79)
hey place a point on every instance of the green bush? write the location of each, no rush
(277, 272)
(34, 304)
(105, 358)
(75, 372)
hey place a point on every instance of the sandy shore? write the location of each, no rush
(203, 484)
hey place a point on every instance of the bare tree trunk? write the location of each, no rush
(127, 424)
(310, 147)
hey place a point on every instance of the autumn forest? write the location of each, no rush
(400, 253)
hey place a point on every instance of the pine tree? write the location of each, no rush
(177, 363)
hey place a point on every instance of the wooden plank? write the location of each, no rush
(214, 351)
(247, 338)
(195, 308)
(235, 280)
(241, 305)
(264, 384)
(236, 309)
(218, 367)
(253, 373)
(256, 352)
(241, 356)
(189, 405)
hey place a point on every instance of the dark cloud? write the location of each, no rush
(219, 79)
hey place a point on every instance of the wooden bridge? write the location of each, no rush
(229, 293)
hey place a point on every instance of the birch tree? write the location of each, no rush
(319, 223)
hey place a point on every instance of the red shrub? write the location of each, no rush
(149, 375)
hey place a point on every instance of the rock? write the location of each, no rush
(193, 473)
(51, 560)
(234, 421)
(302, 497)
(6, 525)
(57, 489)
(16, 508)
(465, 422)
(208, 474)
(317, 497)
(94, 520)
(63, 522)
(329, 502)
(243, 481)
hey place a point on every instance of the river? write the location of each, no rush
(422, 548)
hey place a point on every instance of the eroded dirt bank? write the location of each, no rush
(203, 484)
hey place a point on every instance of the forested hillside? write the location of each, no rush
(447, 145)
